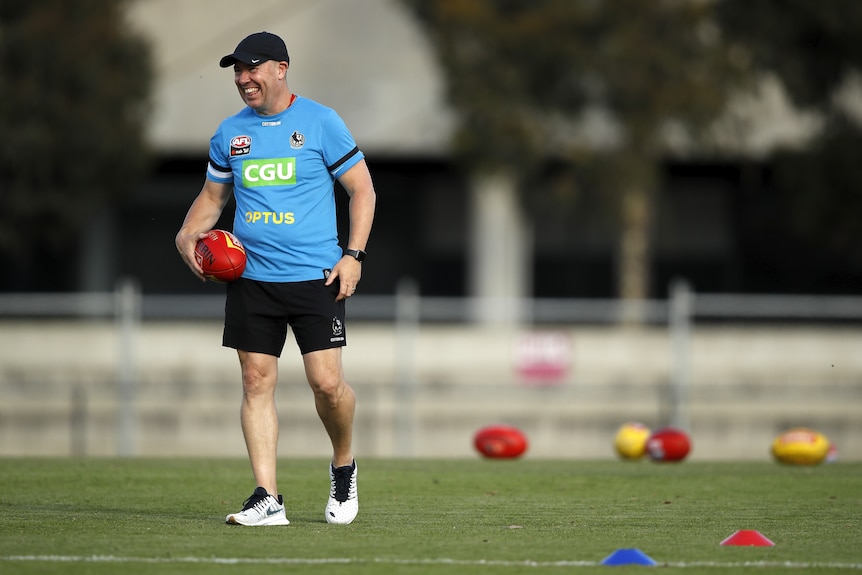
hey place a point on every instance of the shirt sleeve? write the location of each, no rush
(218, 167)
(340, 151)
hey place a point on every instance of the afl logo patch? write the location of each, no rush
(297, 140)
(240, 146)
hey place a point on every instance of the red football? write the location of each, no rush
(221, 256)
(668, 444)
(500, 441)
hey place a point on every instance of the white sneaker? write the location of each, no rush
(260, 509)
(343, 504)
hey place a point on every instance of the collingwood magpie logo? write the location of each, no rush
(297, 140)
(337, 330)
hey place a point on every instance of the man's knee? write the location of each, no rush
(259, 374)
(331, 389)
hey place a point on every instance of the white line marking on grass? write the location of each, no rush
(206, 560)
(396, 561)
(787, 564)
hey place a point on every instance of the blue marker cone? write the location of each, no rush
(629, 557)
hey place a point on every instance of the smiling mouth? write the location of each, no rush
(250, 91)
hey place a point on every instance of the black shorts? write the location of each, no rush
(257, 315)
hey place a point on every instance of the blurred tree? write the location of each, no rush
(75, 93)
(527, 78)
(811, 46)
(815, 48)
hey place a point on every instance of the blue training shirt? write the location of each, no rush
(283, 170)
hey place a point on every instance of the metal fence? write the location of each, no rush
(407, 310)
(702, 306)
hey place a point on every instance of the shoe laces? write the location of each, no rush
(343, 487)
(259, 496)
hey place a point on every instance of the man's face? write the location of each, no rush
(261, 86)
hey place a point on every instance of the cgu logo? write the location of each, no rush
(269, 172)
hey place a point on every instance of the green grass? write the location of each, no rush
(429, 517)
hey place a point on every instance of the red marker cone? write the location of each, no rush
(748, 538)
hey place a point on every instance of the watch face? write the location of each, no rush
(358, 254)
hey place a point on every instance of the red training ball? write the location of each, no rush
(500, 441)
(668, 444)
(221, 256)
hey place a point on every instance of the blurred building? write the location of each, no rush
(371, 62)
(367, 60)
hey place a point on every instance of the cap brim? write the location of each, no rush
(244, 57)
(227, 61)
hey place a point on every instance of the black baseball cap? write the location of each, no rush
(256, 48)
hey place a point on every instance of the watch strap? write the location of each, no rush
(359, 255)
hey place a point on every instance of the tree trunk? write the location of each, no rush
(500, 259)
(634, 254)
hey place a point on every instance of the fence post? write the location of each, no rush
(78, 422)
(127, 299)
(681, 299)
(406, 328)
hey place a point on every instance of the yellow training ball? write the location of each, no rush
(630, 440)
(801, 446)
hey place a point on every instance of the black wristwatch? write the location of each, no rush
(358, 254)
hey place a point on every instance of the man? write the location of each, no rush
(280, 157)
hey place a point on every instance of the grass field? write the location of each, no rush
(470, 516)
